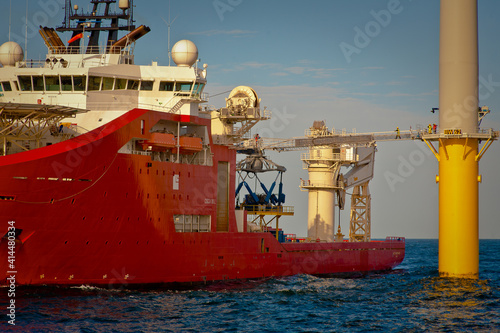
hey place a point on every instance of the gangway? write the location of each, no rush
(329, 151)
(334, 138)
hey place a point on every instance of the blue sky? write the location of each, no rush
(291, 53)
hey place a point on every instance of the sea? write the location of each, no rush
(410, 298)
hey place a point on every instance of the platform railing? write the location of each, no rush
(256, 209)
(395, 239)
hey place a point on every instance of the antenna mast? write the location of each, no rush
(168, 32)
(10, 17)
(25, 34)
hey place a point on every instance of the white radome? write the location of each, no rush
(184, 53)
(10, 53)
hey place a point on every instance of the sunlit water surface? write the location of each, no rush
(411, 298)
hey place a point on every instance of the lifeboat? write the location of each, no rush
(189, 145)
(159, 142)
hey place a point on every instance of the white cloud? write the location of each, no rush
(296, 69)
(280, 74)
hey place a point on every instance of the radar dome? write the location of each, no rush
(10, 53)
(123, 4)
(184, 53)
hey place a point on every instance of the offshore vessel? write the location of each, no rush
(113, 173)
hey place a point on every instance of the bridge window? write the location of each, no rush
(37, 83)
(107, 83)
(66, 84)
(198, 87)
(6, 86)
(183, 86)
(80, 82)
(133, 85)
(52, 83)
(95, 82)
(25, 82)
(147, 85)
(166, 86)
(120, 84)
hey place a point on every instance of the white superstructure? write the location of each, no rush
(102, 83)
(93, 83)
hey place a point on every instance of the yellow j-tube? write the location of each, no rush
(458, 167)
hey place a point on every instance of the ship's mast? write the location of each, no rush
(95, 21)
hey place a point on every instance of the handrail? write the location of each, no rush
(395, 239)
(268, 209)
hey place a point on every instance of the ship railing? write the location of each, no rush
(321, 155)
(154, 107)
(236, 132)
(256, 209)
(98, 49)
(68, 131)
(189, 95)
(31, 64)
(395, 239)
(306, 183)
(266, 113)
(203, 96)
(140, 152)
(201, 158)
(326, 132)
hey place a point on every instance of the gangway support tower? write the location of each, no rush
(359, 229)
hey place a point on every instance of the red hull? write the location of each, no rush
(91, 215)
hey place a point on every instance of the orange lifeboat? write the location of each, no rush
(159, 142)
(189, 145)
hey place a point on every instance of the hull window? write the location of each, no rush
(192, 223)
